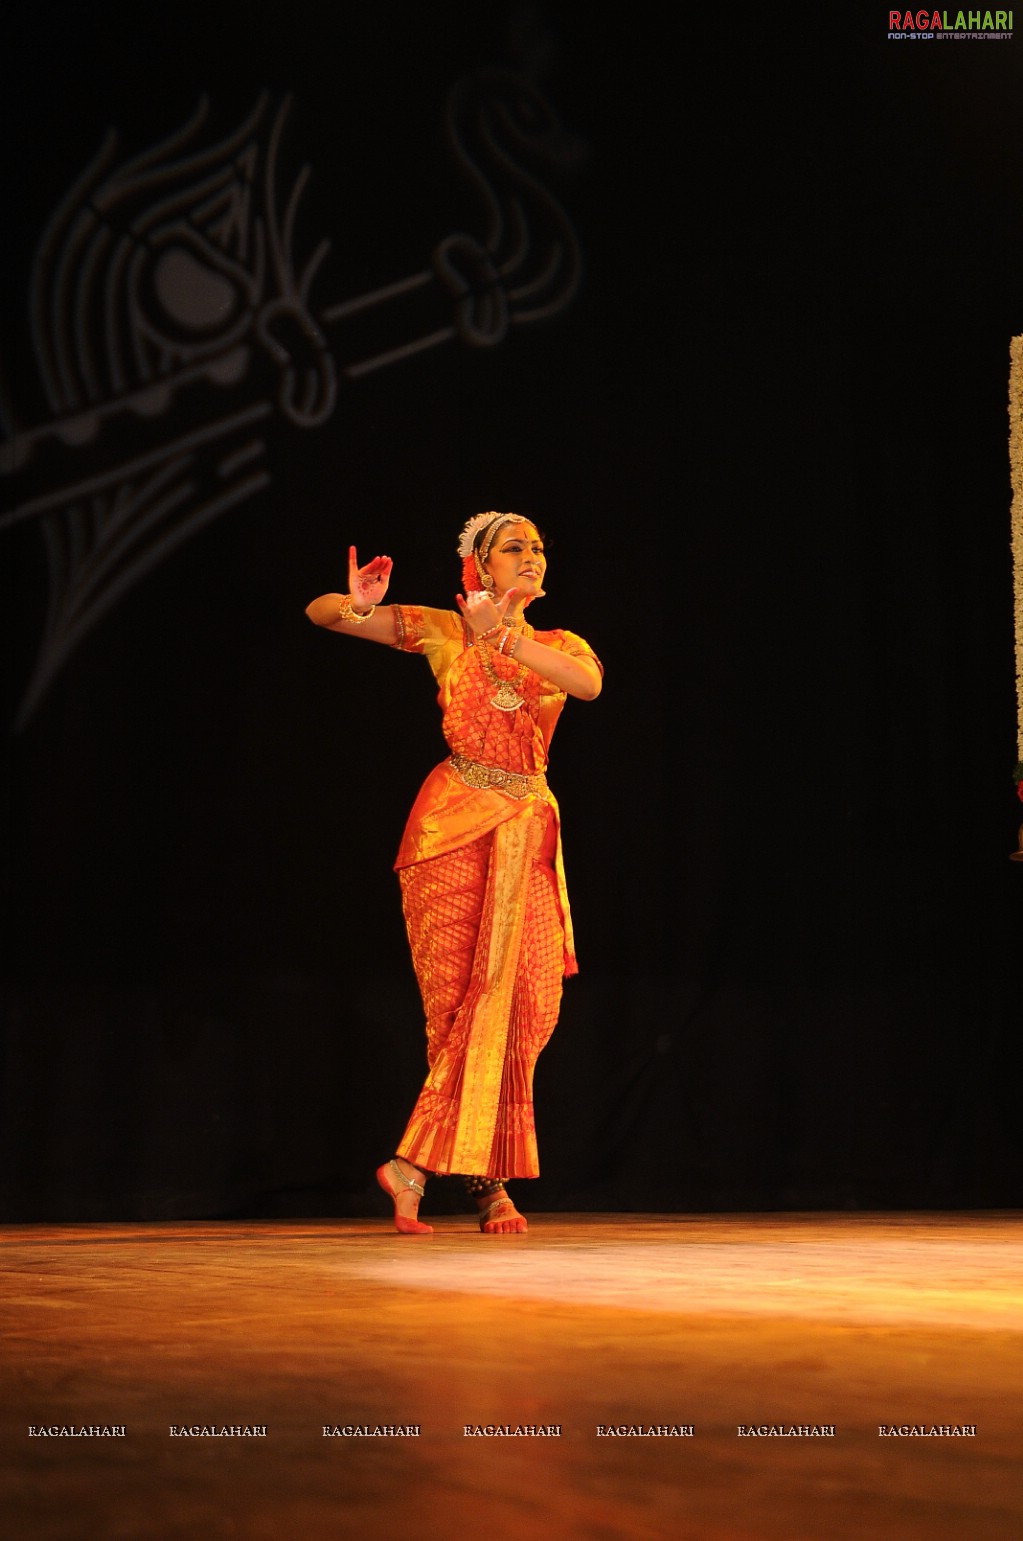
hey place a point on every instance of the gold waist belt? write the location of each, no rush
(482, 777)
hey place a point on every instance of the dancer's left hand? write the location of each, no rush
(483, 612)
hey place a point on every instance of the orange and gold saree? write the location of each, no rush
(486, 908)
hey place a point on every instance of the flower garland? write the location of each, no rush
(1016, 475)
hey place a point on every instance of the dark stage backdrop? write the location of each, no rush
(726, 308)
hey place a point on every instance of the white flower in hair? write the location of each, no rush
(473, 526)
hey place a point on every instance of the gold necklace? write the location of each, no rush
(507, 698)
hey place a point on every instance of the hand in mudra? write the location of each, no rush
(368, 585)
(483, 612)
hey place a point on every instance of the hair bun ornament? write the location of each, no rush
(472, 528)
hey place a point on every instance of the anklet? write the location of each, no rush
(416, 1187)
(482, 1187)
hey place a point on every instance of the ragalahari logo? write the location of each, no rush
(949, 26)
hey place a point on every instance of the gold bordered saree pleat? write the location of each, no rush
(458, 1114)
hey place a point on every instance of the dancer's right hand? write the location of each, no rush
(368, 585)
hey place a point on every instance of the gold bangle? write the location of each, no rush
(346, 613)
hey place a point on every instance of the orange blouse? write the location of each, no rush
(514, 741)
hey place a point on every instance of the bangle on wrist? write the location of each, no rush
(345, 611)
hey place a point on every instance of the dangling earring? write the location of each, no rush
(485, 580)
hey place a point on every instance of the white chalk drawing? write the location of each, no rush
(173, 271)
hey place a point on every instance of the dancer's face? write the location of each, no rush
(516, 559)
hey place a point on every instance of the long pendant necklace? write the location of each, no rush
(507, 698)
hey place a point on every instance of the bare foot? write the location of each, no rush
(498, 1215)
(396, 1178)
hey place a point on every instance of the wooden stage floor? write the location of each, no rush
(591, 1321)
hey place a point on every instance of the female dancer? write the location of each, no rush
(483, 887)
